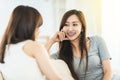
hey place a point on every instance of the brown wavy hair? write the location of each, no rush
(65, 47)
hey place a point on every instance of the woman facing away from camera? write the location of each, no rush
(86, 57)
(19, 62)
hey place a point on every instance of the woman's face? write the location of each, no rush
(72, 27)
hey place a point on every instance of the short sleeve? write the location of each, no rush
(102, 48)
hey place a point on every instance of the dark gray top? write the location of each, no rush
(97, 53)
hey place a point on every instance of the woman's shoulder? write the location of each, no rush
(97, 40)
(95, 37)
(34, 48)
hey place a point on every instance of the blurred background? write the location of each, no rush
(102, 18)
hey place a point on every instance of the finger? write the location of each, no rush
(64, 33)
(66, 38)
(56, 36)
(60, 36)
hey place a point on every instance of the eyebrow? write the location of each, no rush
(74, 22)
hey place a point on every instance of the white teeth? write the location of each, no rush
(71, 33)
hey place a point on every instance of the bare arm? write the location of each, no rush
(49, 44)
(59, 36)
(38, 52)
(107, 70)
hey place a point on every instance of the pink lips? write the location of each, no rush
(70, 34)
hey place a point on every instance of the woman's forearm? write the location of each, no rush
(107, 76)
(40, 54)
(49, 44)
(107, 70)
(44, 63)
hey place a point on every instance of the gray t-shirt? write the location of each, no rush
(97, 53)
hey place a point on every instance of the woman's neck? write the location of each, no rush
(76, 47)
(75, 43)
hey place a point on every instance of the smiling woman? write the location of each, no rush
(86, 56)
(17, 63)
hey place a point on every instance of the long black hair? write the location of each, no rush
(21, 26)
(66, 52)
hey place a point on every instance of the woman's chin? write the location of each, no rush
(73, 38)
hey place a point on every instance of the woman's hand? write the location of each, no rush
(59, 36)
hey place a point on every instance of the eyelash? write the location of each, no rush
(72, 25)
(65, 24)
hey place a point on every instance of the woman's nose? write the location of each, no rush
(70, 28)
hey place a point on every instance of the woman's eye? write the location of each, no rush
(74, 24)
(65, 24)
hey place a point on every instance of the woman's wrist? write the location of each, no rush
(49, 44)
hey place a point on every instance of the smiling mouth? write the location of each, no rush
(70, 34)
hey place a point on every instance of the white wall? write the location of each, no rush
(105, 23)
(91, 9)
(111, 29)
(52, 12)
(92, 12)
(43, 6)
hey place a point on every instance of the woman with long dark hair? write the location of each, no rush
(16, 61)
(86, 57)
